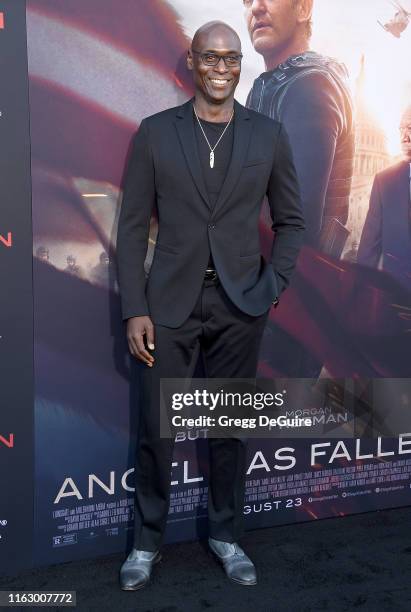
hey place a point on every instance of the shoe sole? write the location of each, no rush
(242, 583)
(215, 556)
(140, 586)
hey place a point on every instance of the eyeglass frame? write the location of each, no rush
(220, 57)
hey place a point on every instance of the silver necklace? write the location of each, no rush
(204, 134)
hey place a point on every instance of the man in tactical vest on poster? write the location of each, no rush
(309, 94)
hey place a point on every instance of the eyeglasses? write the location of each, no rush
(212, 59)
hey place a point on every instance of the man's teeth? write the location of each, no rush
(219, 81)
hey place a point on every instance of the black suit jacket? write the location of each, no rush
(387, 228)
(164, 169)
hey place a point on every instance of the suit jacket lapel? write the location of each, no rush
(241, 139)
(405, 195)
(403, 184)
(185, 130)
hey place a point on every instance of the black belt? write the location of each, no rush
(210, 274)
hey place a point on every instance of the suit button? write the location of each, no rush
(211, 226)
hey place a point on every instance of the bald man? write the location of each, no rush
(386, 235)
(207, 165)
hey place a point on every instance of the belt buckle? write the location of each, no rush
(210, 274)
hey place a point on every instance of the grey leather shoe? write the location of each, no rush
(136, 569)
(237, 565)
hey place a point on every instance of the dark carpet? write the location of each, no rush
(360, 562)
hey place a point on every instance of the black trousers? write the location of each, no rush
(229, 340)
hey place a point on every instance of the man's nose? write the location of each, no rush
(221, 67)
(258, 7)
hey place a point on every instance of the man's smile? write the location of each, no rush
(219, 81)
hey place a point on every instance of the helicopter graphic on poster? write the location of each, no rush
(399, 22)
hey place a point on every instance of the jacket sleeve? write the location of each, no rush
(312, 117)
(286, 211)
(134, 225)
(370, 247)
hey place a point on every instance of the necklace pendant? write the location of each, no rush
(211, 159)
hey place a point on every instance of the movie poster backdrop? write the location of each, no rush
(96, 68)
(16, 295)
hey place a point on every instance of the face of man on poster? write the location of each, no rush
(405, 134)
(278, 28)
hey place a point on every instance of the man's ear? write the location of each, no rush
(189, 59)
(305, 10)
